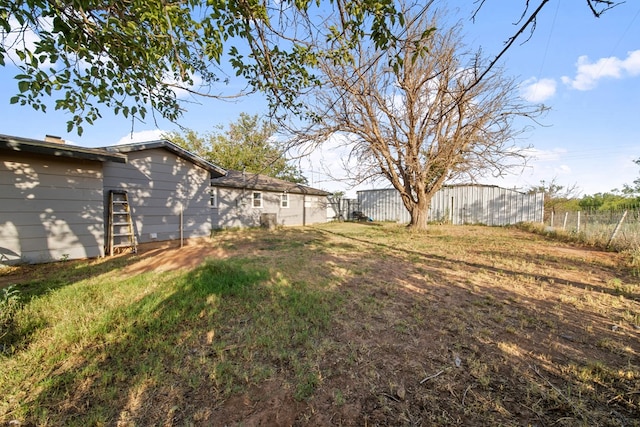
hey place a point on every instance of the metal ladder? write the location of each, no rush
(121, 231)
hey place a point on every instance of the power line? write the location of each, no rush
(546, 48)
(615, 46)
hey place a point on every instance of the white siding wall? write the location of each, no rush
(159, 184)
(472, 204)
(316, 209)
(51, 208)
(235, 208)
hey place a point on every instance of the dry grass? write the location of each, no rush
(348, 324)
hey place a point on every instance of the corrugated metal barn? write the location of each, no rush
(459, 204)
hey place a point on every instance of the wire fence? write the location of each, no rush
(341, 209)
(619, 229)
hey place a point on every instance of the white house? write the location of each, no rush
(54, 197)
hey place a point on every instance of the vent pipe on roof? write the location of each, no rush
(53, 138)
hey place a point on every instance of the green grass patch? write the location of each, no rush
(91, 351)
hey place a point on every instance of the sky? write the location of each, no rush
(586, 69)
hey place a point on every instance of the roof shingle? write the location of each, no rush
(237, 179)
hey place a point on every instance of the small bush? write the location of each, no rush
(9, 305)
(634, 258)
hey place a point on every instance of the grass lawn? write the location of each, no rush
(340, 324)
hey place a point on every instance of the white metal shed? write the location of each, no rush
(459, 204)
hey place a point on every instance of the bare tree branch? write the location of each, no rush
(597, 7)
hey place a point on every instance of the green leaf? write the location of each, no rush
(14, 100)
(23, 86)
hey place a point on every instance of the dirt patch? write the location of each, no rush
(155, 256)
(269, 404)
(494, 332)
(169, 256)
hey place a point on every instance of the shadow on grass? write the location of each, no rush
(33, 280)
(509, 353)
(181, 347)
(30, 281)
(539, 275)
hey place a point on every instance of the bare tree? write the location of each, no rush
(418, 113)
(557, 196)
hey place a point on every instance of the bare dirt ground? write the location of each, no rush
(156, 256)
(507, 329)
(461, 326)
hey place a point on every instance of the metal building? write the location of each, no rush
(459, 204)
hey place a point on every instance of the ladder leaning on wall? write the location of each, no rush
(121, 230)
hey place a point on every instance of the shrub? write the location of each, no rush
(9, 305)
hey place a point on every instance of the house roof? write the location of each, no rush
(168, 145)
(35, 146)
(237, 179)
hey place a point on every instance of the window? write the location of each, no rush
(257, 199)
(213, 197)
(284, 200)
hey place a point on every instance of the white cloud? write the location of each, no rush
(542, 165)
(589, 73)
(632, 63)
(562, 170)
(23, 38)
(182, 90)
(534, 90)
(545, 155)
(329, 166)
(142, 136)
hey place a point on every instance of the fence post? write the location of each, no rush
(578, 225)
(551, 219)
(564, 223)
(615, 231)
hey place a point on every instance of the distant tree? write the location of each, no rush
(633, 189)
(191, 141)
(593, 201)
(246, 145)
(416, 114)
(557, 197)
(615, 199)
(609, 201)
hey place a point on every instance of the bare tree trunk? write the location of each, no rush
(419, 215)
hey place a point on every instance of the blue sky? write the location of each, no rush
(586, 69)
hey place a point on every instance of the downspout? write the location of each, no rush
(243, 197)
(181, 225)
(304, 209)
